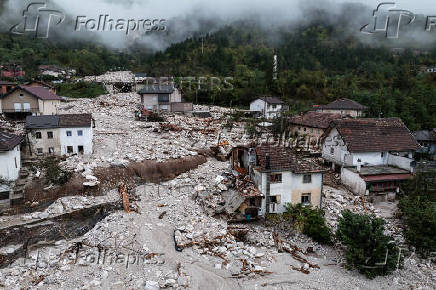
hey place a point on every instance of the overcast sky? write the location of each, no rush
(191, 13)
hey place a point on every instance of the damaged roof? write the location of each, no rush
(343, 104)
(9, 141)
(425, 135)
(375, 135)
(271, 100)
(59, 121)
(283, 159)
(38, 92)
(314, 119)
(157, 89)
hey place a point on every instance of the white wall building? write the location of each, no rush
(60, 134)
(159, 97)
(10, 156)
(268, 107)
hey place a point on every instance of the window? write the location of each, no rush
(49, 135)
(17, 107)
(305, 129)
(38, 135)
(332, 150)
(299, 128)
(51, 150)
(21, 95)
(276, 178)
(307, 178)
(26, 107)
(39, 151)
(69, 149)
(69, 134)
(274, 199)
(306, 198)
(80, 149)
(274, 107)
(79, 132)
(382, 154)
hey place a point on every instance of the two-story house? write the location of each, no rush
(159, 97)
(268, 107)
(60, 134)
(10, 156)
(344, 107)
(374, 155)
(311, 126)
(280, 176)
(25, 100)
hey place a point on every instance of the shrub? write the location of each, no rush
(81, 90)
(368, 249)
(53, 172)
(311, 222)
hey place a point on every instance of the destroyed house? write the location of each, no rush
(281, 177)
(375, 155)
(60, 134)
(344, 107)
(159, 97)
(427, 140)
(311, 126)
(26, 100)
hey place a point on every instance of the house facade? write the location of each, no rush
(160, 97)
(25, 100)
(10, 156)
(344, 107)
(427, 140)
(60, 134)
(311, 126)
(281, 177)
(374, 155)
(268, 107)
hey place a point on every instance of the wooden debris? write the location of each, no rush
(124, 194)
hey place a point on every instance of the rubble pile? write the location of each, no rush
(112, 77)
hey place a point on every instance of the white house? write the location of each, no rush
(374, 155)
(60, 134)
(10, 156)
(268, 107)
(281, 177)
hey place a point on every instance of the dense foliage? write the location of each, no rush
(368, 249)
(310, 221)
(316, 66)
(54, 174)
(418, 209)
(81, 90)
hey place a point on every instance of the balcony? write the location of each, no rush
(30, 110)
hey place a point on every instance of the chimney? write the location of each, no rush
(268, 162)
(359, 165)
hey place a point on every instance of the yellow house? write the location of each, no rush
(25, 100)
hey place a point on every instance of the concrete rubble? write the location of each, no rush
(175, 239)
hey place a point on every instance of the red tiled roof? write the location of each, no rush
(75, 120)
(314, 119)
(344, 104)
(283, 159)
(375, 135)
(38, 92)
(41, 93)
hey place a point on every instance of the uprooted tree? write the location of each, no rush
(368, 249)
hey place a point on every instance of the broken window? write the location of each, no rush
(80, 149)
(69, 134)
(49, 135)
(38, 135)
(306, 198)
(39, 150)
(51, 150)
(274, 199)
(69, 149)
(276, 178)
(307, 178)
